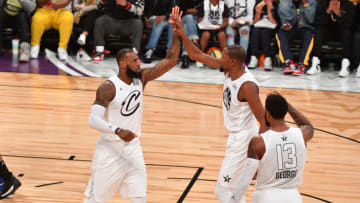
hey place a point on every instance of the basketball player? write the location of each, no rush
(9, 183)
(241, 109)
(278, 155)
(118, 163)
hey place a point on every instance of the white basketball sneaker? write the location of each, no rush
(268, 64)
(62, 53)
(34, 51)
(253, 62)
(315, 66)
(345, 64)
(82, 39)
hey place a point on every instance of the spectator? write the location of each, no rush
(265, 22)
(86, 12)
(158, 21)
(333, 22)
(356, 43)
(19, 10)
(213, 19)
(241, 14)
(55, 15)
(121, 17)
(189, 21)
(297, 20)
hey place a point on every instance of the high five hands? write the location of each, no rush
(175, 20)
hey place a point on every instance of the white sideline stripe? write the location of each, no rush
(52, 57)
(79, 67)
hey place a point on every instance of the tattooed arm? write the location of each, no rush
(165, 65)
(303, 123)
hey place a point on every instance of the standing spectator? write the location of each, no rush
(55, 15)
(157, 22)
(213, 19)
(265, 22)
(189, 21)
(20, 10)
(333, 22)
(241, 14)
(297, 21)
(121, 17)
(86, 12)
(356, 43)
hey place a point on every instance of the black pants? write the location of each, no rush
(22, 24)
(260, 41)
(106, 25)
(285, 37)
(87, 22)
(356, 49)
(333, 33)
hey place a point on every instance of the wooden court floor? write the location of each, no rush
(44, 136)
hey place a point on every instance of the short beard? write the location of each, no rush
(132, 74)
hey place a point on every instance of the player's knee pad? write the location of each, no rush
(138, 199)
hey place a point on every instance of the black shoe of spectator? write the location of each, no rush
(10, 187)
(186, 62)
(148, 56)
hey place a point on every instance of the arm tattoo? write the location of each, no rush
(167, 63)
(298, 117)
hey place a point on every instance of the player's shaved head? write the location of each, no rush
(277, 106)
(237, 53)
(122, 53)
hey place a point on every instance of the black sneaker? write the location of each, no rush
(186, 62)
(10, 187)
(148, 56)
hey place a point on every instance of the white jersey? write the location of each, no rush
(213, 15)
(283, 163)
(125, 110)
(237, 114)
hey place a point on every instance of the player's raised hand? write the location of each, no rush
(175, 20)
(126, 135)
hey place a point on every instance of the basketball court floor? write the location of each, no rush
(45, 139)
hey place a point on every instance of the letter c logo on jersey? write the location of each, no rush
(130, 104)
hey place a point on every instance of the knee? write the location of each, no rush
(221, 36)
(39, 18)
(222, 193)
(67, 17)
(138, 25)
(244, 31)
(186, 19)
(205, 35)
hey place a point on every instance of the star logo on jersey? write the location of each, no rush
(284, 138)
(227, 178)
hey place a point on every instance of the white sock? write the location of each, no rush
(100, 49)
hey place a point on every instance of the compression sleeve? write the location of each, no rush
(242, 185)
(97, 121)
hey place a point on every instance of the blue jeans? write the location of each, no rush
(190, 25)
(156, 33)
(244, 39)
